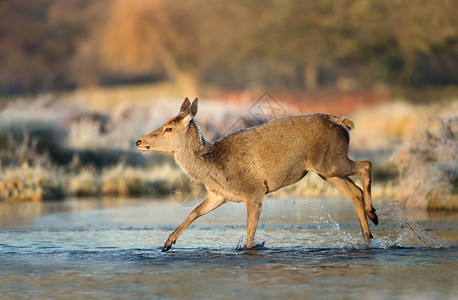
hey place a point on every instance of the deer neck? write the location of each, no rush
(189, 155)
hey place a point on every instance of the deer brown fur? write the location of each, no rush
(247, 165)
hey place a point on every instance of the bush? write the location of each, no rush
(30, 184)
(84, 183)
(128, 181)
(428, 166)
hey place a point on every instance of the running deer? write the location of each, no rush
(246, 165)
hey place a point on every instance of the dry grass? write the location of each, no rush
(36, 183)
(27, 183)
(84, 183)
(37, 138)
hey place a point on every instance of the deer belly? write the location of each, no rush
(285, 177)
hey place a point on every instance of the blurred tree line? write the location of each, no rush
(283, 44)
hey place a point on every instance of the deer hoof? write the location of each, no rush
(367, 237)
(373, 217)
(166, 248)
(168, 245)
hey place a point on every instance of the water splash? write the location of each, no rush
(388, 211)
(395, 211)
(347, 240)
(257, 245)
(397, 229)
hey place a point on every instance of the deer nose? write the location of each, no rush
(138, 142)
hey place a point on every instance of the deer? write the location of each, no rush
(247, 165)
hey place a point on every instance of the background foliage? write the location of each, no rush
(293, 44)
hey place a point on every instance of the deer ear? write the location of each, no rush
(190, 112)
(194, 108)
(185, 105)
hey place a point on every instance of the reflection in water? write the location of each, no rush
(307, 248)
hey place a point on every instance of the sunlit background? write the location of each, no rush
(84, 214)
(81, 81)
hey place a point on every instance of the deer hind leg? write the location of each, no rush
(210, 203)
(253, 212)
(363, 169)
(344, 168)
(347, 187)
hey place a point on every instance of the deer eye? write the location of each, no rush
(168, 129)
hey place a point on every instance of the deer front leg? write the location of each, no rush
(253, 211)
(210, 203)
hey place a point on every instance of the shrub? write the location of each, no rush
(30, 184)
(428, 166)
(125, 181)
(84, 183)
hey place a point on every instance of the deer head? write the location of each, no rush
(173, 134)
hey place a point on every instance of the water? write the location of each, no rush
(307, 248)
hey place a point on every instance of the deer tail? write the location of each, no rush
(345, 122)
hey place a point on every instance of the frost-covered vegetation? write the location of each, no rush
(428, 164)
(51, 148)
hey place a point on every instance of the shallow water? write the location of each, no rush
(308, 248)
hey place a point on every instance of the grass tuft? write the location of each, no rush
(28, 183)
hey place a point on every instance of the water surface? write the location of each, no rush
(308, 248)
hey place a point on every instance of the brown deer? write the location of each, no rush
(246, 165)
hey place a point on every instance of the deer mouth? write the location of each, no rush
(143, 148)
